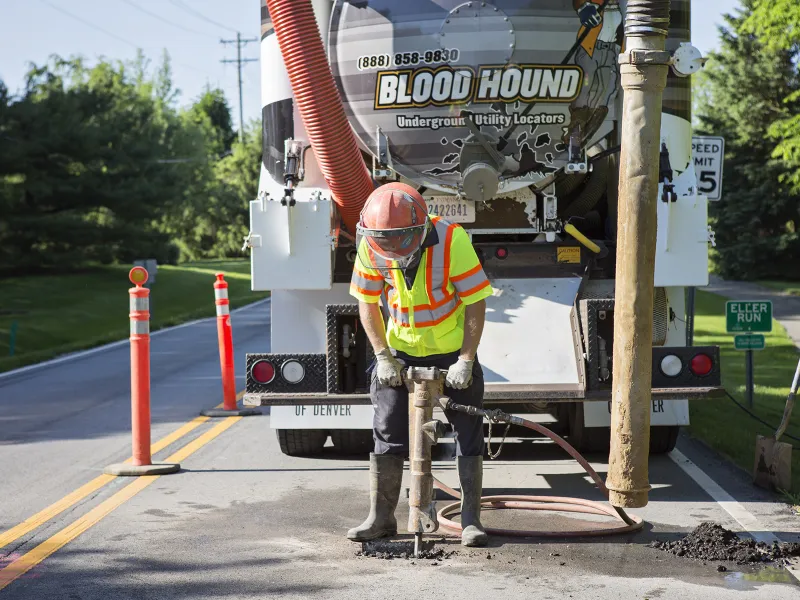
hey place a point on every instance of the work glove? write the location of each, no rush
(388, 369)
(589, 15)
(459, 376)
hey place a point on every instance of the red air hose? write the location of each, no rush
(626, 523)
(321, 107)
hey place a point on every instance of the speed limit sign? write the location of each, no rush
(709, 154)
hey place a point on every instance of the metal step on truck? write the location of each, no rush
(506, 116)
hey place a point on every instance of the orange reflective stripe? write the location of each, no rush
(366, 292)
(430, 306)
(400, 323)
(472, 271)
(440, 319)
(477, 288)
(427, 316)
(367, 276)
(398, 317)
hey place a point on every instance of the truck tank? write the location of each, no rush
(480, 100)
(477, 98)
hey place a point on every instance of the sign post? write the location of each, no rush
(748, 317)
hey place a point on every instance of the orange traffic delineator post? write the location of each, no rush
(141, 463)
(225, 339)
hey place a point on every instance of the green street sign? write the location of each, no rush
(748, 317)
(749, 342)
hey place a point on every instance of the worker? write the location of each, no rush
(432, 286)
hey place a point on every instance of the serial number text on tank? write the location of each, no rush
(400, 59)
(452, 209)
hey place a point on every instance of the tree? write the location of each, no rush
(98, 155)
(777, 23)
(744, 93)
(237, 176)
(219, 217)
(212, 109)
(97, 164)
(209, 221)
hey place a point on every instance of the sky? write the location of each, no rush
(32, 30)
(190, 30)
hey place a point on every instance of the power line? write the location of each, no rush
(162, 19)
(109, 33)
(199, 15)
(89, 24)
(759, 419)
(239, 61)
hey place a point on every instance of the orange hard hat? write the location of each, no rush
(394, 206)
(394, 221)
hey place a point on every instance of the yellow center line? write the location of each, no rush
(27, 561)
(55, 509)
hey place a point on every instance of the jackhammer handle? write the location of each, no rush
(404, 373)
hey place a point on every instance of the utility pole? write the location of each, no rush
(239, 60)
(643, 69)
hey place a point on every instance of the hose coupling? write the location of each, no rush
(645, 57)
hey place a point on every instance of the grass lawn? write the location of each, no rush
(722, 424)
(56, 314)
(789, 287)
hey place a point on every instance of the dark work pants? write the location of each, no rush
(390, 424)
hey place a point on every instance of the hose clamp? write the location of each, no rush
(645, 57)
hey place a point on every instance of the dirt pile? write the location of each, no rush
(711, 542)
(388, 549)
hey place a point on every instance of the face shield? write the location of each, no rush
(391, 248)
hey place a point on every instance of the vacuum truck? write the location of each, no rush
(506, 116)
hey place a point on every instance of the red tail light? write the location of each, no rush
(263, 371)
(701, 365)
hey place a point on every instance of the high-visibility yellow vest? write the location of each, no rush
(428, 318)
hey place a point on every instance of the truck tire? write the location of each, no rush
(352, 441)
(663, 438)
(587, 439)
(301, 442)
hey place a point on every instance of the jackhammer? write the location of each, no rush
(423, 433)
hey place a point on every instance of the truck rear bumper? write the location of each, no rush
(490, 396)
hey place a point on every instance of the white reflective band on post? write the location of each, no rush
(140, 303)
(220, 293)
(223, 309)
(140, 327)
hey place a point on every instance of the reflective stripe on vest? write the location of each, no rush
(369, 285)
(437, 278)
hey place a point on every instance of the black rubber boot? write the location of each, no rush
(385, 479)
(470, 474)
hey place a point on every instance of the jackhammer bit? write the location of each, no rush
(423, 433)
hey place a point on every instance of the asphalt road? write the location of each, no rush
(241, 520)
